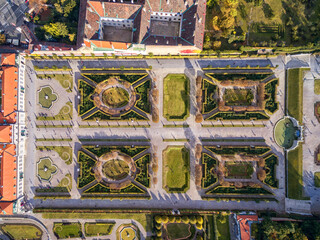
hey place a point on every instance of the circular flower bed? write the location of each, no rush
(115, 97)
(115, 169)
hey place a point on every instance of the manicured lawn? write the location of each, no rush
(317, 86)
(238, 97)
(66, 182)
(317, 179)
(178, 230)
(144, 219)
(21, 231)
(46, 169)
(116, 169)
(64, 152)
(98, 229)
(295, 92)
(66, 80)
(239, 169)
(66, 230)
(176, 100)
(115, 97)
(295, 183)
(223, 228)
(47, 97)
(284, 133)
(176, 169)
(65, 113)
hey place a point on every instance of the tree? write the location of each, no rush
(2, 39)
(65, 6)
(57, 29)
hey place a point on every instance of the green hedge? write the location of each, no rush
(271, 163)
(131, 115)
(143, 91)
(238, 116)
(86, 164)
(234, 190)
(102, 189)
(129, 77)
(231, 150)
(86, 104)
(209, 102)
(52, 190)
(124, 149)
(208, 178)
(270, 90)
(143, 165)
(239, 76)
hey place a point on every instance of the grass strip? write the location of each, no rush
(233, 140)
(113, 140)
(114, 126)
(176, 126)
(54, 140)
(54, 126)
(232, 125)
(295, 169)
(295, 92)
(176, 140)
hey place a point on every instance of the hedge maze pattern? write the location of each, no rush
(137, 78)
(261, 81)
(217, 185)
(92, 187)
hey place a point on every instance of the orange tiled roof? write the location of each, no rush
(9, 94)
(245, 231)
(6, 208)
(8, 59)
(120, 45)
(8, 172)
(98, 7)
(101, 44)
(5, 134)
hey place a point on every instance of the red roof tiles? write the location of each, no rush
(243, 220)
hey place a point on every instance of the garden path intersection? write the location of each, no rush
(78, 130)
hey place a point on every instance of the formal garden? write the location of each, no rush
(128, 232)
(21, 231)
(114, 171)
(238, 94)
(98, 229)
(114, 95)
(54, 96)
(227, 169)
(179, 227)
(176, 169)
(67, 230)
(54, 172)
(176, 99)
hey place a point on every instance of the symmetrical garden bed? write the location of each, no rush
(114, 95)
(227, 171)
(176, 169)
(107, 171)
(240, 94)
(176, 102)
